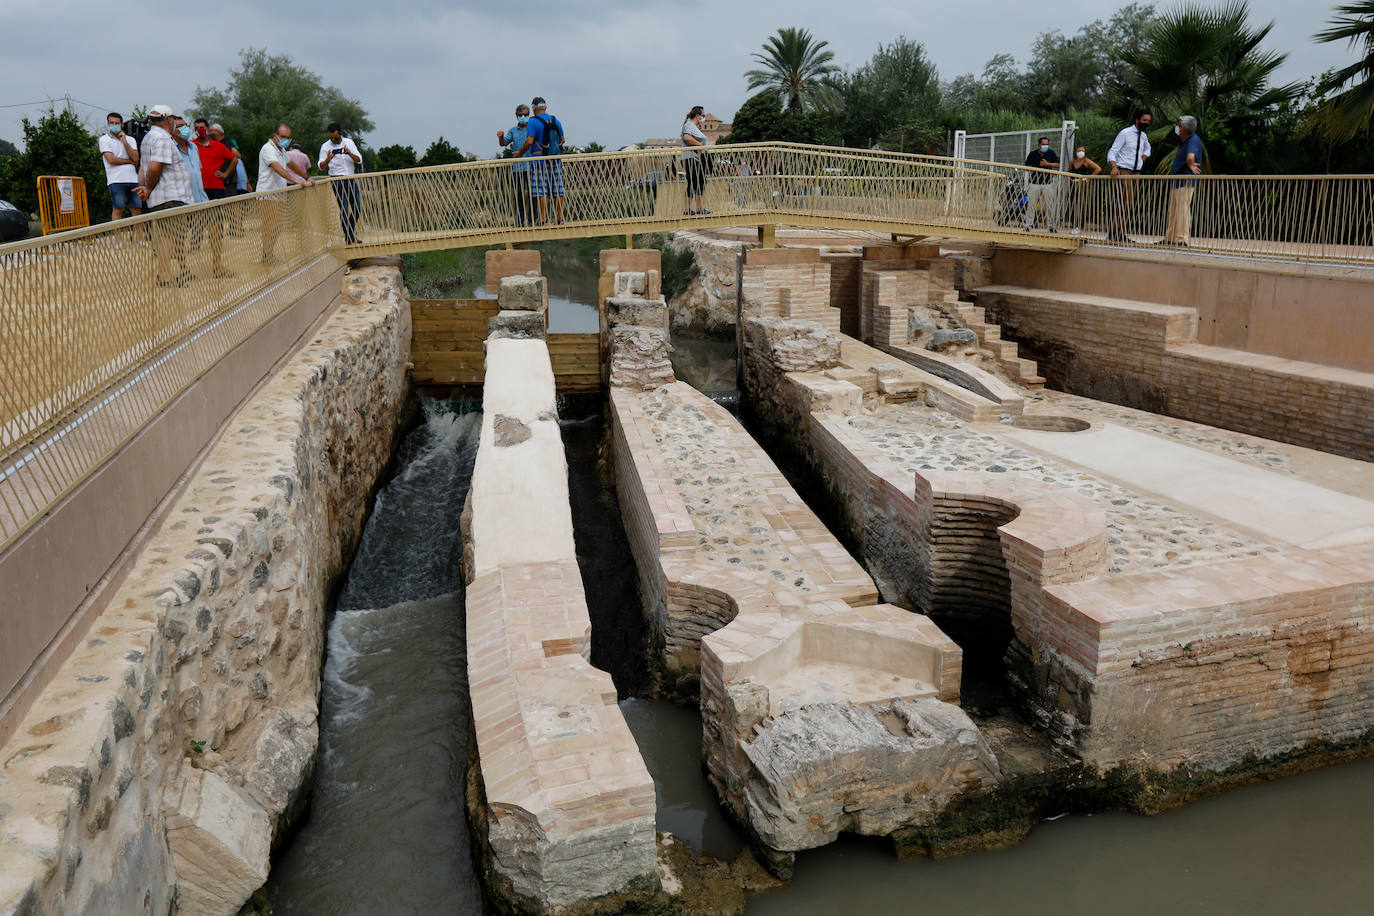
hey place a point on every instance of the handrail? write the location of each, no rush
(91, 347)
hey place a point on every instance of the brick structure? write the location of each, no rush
(787, 283)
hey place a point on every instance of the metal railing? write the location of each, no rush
(100, 328)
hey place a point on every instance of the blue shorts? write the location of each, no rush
(546, 178)
(122, 196)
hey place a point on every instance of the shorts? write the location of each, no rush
(216, 193)
(546, 178)
(122, 196)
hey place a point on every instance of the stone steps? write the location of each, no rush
(1005, 352)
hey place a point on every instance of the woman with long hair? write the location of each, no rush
(693, 160)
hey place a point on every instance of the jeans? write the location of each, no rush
(350, 202)
(524, 203)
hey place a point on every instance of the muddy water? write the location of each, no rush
(386, 830)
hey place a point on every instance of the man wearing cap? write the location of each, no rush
(544, 137)
(166, 183)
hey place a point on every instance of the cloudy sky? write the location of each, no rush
(615, 71)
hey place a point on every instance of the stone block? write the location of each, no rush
(522, 325)
(523, 294)
(948, 338)
(791, 345)
(219, 840)
(636, 311)
(638, 357)
(509, 263)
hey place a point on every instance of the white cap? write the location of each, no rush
(160, 111)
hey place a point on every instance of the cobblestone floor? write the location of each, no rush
(720, 494)
(1229, 445)
(1143, 533)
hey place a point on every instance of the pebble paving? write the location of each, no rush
(720, 495)
(1142, 533)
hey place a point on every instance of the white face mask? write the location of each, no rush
(1176, 131)
(1081, 154)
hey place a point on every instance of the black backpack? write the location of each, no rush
(553, 136)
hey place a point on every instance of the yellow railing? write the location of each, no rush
(101, 327)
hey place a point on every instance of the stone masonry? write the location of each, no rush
(157, 767)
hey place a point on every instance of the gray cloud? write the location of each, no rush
(615, 71)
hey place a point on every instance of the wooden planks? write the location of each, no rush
(446, 341)
(576, 361)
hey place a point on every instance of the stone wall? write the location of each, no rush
(1147, 356)
(157, 767)
(710, 302)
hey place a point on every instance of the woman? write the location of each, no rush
(693, 160)
(1082, 168)
(298, 160)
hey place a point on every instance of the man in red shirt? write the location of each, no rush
(216, 161)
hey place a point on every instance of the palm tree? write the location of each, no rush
(1347, 113)
(1206, 62)
(795, 67)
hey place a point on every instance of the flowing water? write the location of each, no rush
(387, 831)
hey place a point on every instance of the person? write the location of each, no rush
(514, 140)
(181, 136)
(274, 174)
(1126, 159)
(120, 153)
(298, 160)
(1187, 161)
(165, 183)
(340, 158)
(693, 160)
(1081, 168)
(1039, 187)
(213, 221)
(544, 137)
(217, 160)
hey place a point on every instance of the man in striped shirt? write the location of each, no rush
(166, 183)
(1127, 158)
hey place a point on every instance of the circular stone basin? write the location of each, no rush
(1052, 424)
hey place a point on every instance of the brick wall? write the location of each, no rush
(787, 283)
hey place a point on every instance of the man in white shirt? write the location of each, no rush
(1127, 158)
(274, 174)
(120, 153)
(339, 157)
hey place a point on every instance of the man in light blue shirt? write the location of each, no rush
(514, 140)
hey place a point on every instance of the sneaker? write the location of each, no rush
(703, 213)
(1076, 232)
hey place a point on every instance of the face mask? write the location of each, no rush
(522, 120)
(1143, 126)
(1044, 148)
(1082, 154)
(202, 132)
(115, 128)
(1176, 133)
(184, 131)
(284, 144)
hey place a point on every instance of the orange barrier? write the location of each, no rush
(62, 203)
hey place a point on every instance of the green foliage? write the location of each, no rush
(592, 147)
(1077, 71)
(679, 265)
(795, 68)
(1347, 94)
(267, 89)
(197, 746)
(892, 101)
(394, 156)
(762, 118)
(441, 152)
(8, 149)
(451, 274)
(57, 145)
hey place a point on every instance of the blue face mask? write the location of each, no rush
(522, 120)
(284, 144)
(184, 131)
(1044, 147)
(115, 128)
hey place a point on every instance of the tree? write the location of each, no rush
(1346, 114)
(795, 69)
(57, 145)
(895, 95)
(394, 157)
(8, 149)
(267, 89)
(762, 118)
(1207, 62)
(440, 152)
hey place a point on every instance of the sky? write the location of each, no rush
(614, 71)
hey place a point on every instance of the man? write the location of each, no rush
(167, 183)
(514, 140)
(213, 220)
(544, 137)
(216, 160)
(1126, 158)
(275, 174)
(339, 157)
(1039, 190)
(1187, 161)
(120, 153)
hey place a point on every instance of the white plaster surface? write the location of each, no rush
(1281, 507)
(520, 509)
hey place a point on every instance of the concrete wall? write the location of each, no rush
(1318, 314)
(168, 749)
(59, 573)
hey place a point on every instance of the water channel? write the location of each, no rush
(387, 833)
